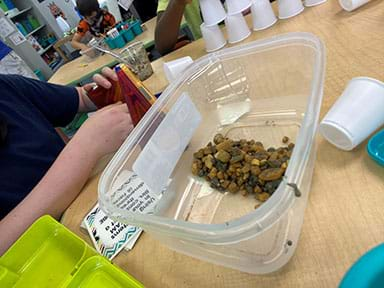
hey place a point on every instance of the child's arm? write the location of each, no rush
(76, 44)
(103, 133)
(168, 25)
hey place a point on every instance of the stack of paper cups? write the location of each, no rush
(213, 37)
(350, 5)
(237, 28)
(309, 3)
(262, 14)
(289, 8)
(237, 6)
(213, 12)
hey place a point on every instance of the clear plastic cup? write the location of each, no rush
(356, 114)
(350, 5)
(136, 56)
(262, 14)
(237, 6)
(310, 3)
(237, 28)
(213, 12)
(289, 8)
(213, 37)
(174, 68)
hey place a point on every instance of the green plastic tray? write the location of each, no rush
(49, 255)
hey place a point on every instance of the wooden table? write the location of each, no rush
(81, 68)
(345, 214)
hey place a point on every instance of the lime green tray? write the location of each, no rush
(49, 255)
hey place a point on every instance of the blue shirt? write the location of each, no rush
(31, 110)
(4, 50)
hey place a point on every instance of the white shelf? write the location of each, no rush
(19, 13)
(34, 31)
(46, 49)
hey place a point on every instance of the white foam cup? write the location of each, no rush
(213, 37)
(309, 3)
(262, 14)
(213, 12)
(289, 8)
(175, 68)
(237, 28)
(237, 6)
(350, 5)
(356, 114)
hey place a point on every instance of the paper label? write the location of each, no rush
(132, 194)
(6, 28)
(17, 38)
(109, 237)
(160, 155)
(130, 244)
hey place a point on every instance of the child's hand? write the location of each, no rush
(102, 79)
(105, 131)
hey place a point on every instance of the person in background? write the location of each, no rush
(96, 22)
(146, 9)
(39, 174)
(11, 63)
(169, 16)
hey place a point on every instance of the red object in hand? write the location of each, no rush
(102, 97)
(138, 105)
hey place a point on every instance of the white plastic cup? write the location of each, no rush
(356, 114)
(289, 8)
(237, 6)
(350, 5)
(213, 12)
(262, 14)
(173, 69)
(237, 28)
(310, 3)
(213, 37)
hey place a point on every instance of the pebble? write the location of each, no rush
(262, 196)
(223, 156)
(271, 174)
(225, 145)
(219, 138)
(233, 188)
(236, 158)
(199, 154)
(255, 162)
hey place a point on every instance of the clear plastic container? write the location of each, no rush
(263, 90)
